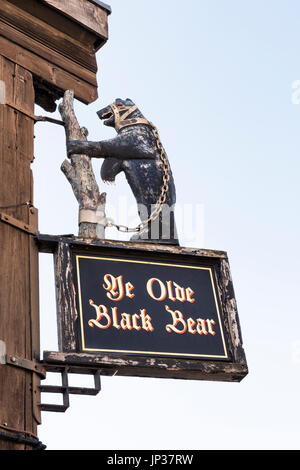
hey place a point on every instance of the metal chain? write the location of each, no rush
(163, 195)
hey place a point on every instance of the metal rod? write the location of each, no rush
(48, 119)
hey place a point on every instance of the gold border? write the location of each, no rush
(148, 352)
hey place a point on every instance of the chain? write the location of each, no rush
(163, 195)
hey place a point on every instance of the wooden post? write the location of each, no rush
(19, 321)
(46, 47)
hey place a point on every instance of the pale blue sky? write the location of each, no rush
(216, 78)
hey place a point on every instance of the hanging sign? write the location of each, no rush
(145, 310)
(133, 306)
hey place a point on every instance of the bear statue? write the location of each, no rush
(137, 151)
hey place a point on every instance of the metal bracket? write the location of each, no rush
(30, 228)
(2, 352)
(37, 370)
(66, 390)
(26, 364)
(31, 366)
(24, 111)
(48, 119)
(40, 369)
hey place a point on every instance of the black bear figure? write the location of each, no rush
(137, 151)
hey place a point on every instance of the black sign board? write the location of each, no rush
(134, 306)
(145, 310)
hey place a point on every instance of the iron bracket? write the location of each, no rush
(40, 370)
(37, 370)
(31, 366)
(30, 228)
(26, 364)
(31, 115)
(66, 390)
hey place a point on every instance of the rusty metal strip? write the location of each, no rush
(26, 364)
(30, 115)
(20, 110)
(8, 219)
(48, 119)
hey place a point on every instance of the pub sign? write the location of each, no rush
(134, 306)
(145, 310)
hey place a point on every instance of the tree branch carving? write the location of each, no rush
(79, 172)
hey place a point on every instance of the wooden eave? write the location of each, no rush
(56, 40)
(90, 14)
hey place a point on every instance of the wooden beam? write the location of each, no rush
(43, 38)
(140, 366)
(88, 14)
(63, 80)
(41, 11)
(48, 244)
(53, 57)
(57, 42)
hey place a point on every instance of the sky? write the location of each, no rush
(220, 80)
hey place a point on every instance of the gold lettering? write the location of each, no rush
(101, 312)
(180, 293)
(191, 323)
(115, 318)
(134, 322)
(163, 290)
(146, 321)
(170, 292)
(173, 290)
(129, 288)
(181, 326)
(114, 286)
(189, 294)
(125, 322)
(177, 319)
(210, 329)
(201, 327)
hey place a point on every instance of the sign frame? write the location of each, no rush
(232, 369)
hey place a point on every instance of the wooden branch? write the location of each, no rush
(80, 174)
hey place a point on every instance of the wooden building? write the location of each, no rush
(46, 47)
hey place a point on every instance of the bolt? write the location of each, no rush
(13, 359)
